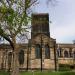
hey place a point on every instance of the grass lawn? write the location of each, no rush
(48, 73)
(41, 73)
(3, 73)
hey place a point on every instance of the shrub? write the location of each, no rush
(64, 67)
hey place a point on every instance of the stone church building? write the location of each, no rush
(41, 52)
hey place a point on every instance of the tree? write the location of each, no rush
(14, 22)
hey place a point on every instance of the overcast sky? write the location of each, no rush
(62, 15)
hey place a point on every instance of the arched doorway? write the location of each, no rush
(66, 54)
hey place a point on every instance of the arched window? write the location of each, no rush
(74, 55)
(66, 54)
(59, 52)
(38, 51)
(47, 52)
(21, 57)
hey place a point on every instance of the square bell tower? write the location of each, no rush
(40, 24)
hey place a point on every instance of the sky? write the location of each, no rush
(62, 15)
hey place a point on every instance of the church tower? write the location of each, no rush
(40, 24)
(42, 45)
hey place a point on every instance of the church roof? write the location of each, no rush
(66, 45)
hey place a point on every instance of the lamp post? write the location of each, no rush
(55, 60)
(41, 52)
(28, 52)
(43, 65)
(28, 57)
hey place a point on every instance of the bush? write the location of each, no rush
(64, 67)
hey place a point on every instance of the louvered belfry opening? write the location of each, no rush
(40, 24)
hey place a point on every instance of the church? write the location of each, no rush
(41, 52)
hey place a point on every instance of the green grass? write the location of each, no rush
(48, 73)
(4, 73)
(41, 73)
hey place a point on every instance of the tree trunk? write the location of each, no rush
(15, 67)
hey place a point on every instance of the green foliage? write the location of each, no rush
(64, 67)
(3, 9)
(14, 19)
(1, 31)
